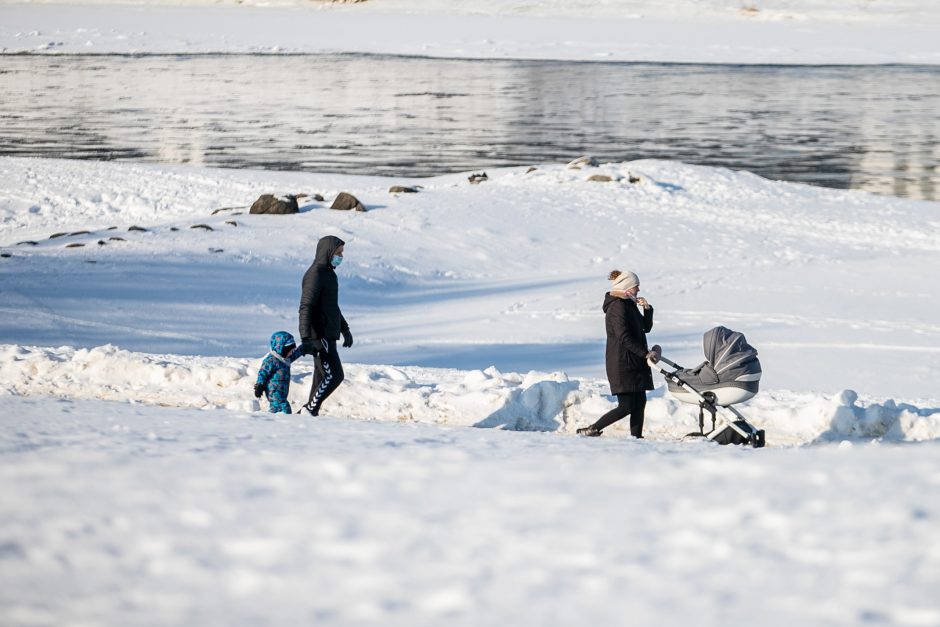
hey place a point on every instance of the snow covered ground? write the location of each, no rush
(833, 287)
(698, 31)
(143, 485)
(117, 514)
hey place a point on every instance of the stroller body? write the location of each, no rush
(730, 375)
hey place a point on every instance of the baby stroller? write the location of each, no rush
(731, 374)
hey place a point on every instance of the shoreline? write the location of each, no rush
(362, 29)
(423, 57)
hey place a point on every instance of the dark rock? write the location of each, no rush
(346, 202)
(111, 228)
(6, 255)
(202, 226)
(137, 228)
(74, 245)
(117, 239)
(79, 233)
(477, 178)
(101, 242)
(270, 204)
(633, 179)
(55, 235)
(28, 242)
(317, 197)
(600, 178)
(531, 169)
(401, 189)
(216, 250)
(237, 213)
(232, 222)
(173, 228)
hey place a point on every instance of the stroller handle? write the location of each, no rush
(658, 368)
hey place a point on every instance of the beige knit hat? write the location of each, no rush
(623, 281)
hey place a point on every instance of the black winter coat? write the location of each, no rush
(627, 370)
(320, 317)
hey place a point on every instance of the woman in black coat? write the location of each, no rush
(627, 371)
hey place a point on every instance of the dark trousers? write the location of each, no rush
(634, 404)
(327, 375)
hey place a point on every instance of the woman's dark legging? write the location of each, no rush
(327, 375)
(634, 404)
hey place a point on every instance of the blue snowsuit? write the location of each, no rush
(274, 374)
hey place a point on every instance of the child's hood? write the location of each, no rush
(280, 339)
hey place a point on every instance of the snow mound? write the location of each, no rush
(480, 398)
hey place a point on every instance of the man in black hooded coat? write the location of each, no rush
(321, 321)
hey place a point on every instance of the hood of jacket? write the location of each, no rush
(280, 339)
(608, 301)
(326, 248)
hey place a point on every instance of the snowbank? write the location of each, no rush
(490, 399)
(717, 31)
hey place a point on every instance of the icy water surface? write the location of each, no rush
(872, 128)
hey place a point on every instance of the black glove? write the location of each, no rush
(314, 346)
(347, 339)
(259, 390)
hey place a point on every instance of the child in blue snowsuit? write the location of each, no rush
(274, 375)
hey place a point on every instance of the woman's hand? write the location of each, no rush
(642, 302)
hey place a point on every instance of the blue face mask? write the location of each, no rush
(336, 260)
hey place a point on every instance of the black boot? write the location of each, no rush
(590, 432)
(313, 410)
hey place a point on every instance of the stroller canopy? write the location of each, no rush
(732, 371)
(732, 358)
